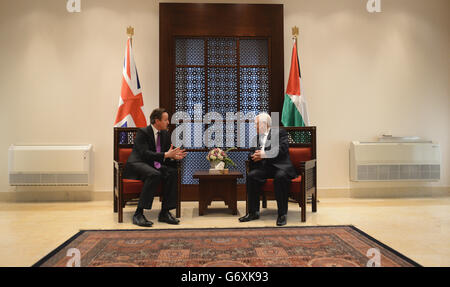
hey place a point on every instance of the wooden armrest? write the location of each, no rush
(119, 166)
(305, 165)
(179, 168)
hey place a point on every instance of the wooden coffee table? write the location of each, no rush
(217, 187)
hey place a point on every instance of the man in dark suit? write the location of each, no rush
(153, 160)
(270, 159)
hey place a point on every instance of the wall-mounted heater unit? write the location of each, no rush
(50, 165)
(395, 161)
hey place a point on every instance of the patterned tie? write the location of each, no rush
(158, 149)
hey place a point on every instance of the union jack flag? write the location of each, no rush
(130, 112)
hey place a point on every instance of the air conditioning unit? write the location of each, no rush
(394, 161)
(50, 165)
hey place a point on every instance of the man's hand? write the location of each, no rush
(257, 156)
(175, 153)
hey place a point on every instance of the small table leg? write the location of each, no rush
(214, 189)
(233, 197)
(202, 199)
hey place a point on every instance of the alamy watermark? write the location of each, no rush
(73, 6)
(75, 257)
(189, 131)
(373, 6)
(375, 257)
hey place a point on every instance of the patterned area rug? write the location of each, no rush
(233, 247)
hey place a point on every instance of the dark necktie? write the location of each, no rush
(258, 142)
(158, 148)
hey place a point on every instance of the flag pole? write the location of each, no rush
(295, 33)
(130, 33)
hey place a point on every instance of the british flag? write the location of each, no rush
(130, 112)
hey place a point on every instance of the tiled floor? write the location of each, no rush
(418, 228)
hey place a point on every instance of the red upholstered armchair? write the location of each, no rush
(126, 190)
(302, 151)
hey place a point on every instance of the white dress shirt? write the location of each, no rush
(263, 143)
(155, 134)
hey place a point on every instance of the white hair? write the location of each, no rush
(264, 118)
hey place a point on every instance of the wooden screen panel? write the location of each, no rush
(221, 20)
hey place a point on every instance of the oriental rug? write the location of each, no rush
(226, 247)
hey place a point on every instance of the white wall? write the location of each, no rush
(368, 74)
(364, 74)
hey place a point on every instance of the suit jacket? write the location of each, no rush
(144, 149)
(282, 160)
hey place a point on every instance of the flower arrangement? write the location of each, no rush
(217, 155)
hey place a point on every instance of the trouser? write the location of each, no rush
(256, 179)
(152, 178)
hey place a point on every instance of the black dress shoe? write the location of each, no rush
(140, 220)
(281, 220)
(249, 217)
(167, 217)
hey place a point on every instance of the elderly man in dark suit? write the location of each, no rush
(270, 159)
(152, 161)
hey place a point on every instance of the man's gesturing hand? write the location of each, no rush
(175, 153)
(257, 156)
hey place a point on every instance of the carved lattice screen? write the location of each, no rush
(227, 74)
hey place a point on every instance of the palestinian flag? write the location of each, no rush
(294, 113)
